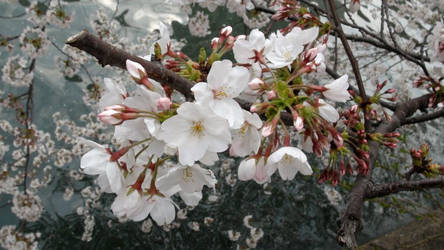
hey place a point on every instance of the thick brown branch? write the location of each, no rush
(107, 54)
(350, 220)
(425, 117)
(392, 188)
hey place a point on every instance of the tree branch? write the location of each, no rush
(381, 190)
(350, 221)
(107, 54)
(348, 51)
(424, 118)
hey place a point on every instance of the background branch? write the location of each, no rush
(381, 190)
(423, 118)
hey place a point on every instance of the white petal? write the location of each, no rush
(328, 112)
(209, 158)
(253, 119)
(202, 92)
(163, 211)
(287, 172)
(230, 110)
(94, 161)
(192, 151)
(114, 176)
(191, 199)
(246, 170)
(218, 73)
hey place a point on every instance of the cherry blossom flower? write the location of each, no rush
(300, 36)
(284, 50)
(199, 25)
(194, 131)
(98, 161)
(289, 161)
(337, 90)
(246, 51)
(137, 207)
(247, 139)
(224, 83)
(189, 178)
(253, 169)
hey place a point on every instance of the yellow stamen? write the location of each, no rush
(197, 129)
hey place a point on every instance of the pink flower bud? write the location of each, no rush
(311, 54)
(226, 31)
(256, 84)
(271, 95)
(267, 129)
(111, 116)
(164, 103)
(136, 70)
(214, 43)
(298, 123)
(255, 108)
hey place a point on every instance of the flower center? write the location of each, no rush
(243, 129)
(188, 175)
(287, 56)
(220, 93)
(197, 129)
(286, 159)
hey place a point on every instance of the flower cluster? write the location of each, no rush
(153, 129)
(15, 72)
(12, 238)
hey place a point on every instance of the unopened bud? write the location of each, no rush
(298, 122)
(111, 117)
(164, 103)
(215, 43)
(271, 94)
(136, 70)
(256, 84)
(225, 32)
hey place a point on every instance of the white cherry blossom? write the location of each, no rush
(284, 50)
(224, 83)
(247, 139)
(97, 161)
(289, 161)
(189, 178)
(253, 169)
(244, 49)
(337, 90)
(194, 131)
